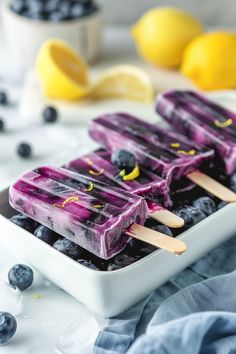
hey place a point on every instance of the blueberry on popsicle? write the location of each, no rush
(170, 155)
(93, 215)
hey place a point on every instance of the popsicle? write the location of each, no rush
(85, 211)
(203, 121)
(167, 153)
(149, 185)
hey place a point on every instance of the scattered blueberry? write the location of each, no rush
(222, 205)
(87, 264)
(56, 16)
(24, 150)
(124, 160)
(77, 10)
(120, 261)
(45, 234)
(190, 214)
(163, 229)
(50, 115)
(8, 327)
(21, 276)
(233, 182)
(68, 247)
(2, 125)
(206, 204)
(3, 98)
(24, 222)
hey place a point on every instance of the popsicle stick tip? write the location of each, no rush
(212, 186)
(167, 218)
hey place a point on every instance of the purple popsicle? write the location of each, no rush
(167, 153)
(204, 121)
(84, 210)
(149, 185)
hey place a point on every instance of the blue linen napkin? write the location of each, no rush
(192, 313)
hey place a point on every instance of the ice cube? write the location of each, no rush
(11, 299)
(79, 337)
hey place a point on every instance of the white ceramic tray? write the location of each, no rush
(110, 293)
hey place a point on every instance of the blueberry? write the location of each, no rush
(50, 115)
(45, 234)
(163, 229)
(24, 150)
(87, 264)
(21, 276)
(35, 6)
(233, 182)
(17, 6)
(8, 327)
(2, 125)
(121, 261)
(206, 204)
(24, 222)
(3, 98)
(56, 16)
(124, 160)
(222, 205)
(68, 247)
(77, 10)
(191, 215)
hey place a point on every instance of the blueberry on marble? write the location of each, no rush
(121, 261)
(124, 160)
(68, 248)
(3, 98)
(24, 150)
(190, 214)
(8, 326)
(23, 221)
(87, 264)
(2, 125)
(206, 204)
(21, 276)
(50, 114)
(45, 234)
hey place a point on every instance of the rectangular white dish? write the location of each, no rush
(110, 293)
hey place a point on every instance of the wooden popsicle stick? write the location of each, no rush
(212, 186)
(157, 239)
(167, 218)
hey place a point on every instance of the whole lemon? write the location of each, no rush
(210, 61)
(162, 34)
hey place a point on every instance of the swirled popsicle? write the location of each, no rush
(89, 213)
(204, 121)
(149, 185)
(167, 153)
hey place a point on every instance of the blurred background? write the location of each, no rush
(211, 12)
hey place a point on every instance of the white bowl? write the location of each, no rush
(110, 293)
(25, 36)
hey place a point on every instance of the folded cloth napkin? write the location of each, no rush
(195, 312)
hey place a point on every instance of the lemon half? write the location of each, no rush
(62, 72)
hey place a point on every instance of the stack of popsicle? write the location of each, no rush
(94, 204)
